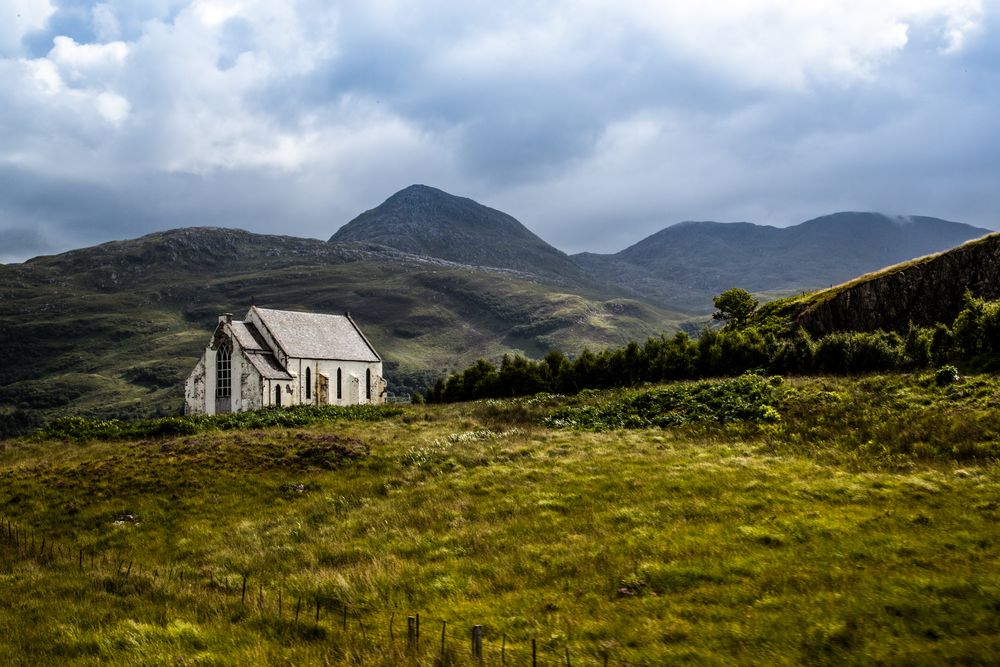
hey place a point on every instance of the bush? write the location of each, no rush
(746, 398)
(946, 375)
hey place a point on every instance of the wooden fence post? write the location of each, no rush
(503, 650)
(298, 607)
(345, 618)
(243, 595)
(534, 653)
(444, 626)
(477, 642)
(411, 632)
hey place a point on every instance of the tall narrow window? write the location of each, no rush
(340, 391)
(277, 395)
(308, 383)
(224, 372)
(368, 384)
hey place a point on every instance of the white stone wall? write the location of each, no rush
(194, 390)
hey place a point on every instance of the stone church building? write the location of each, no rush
(283, 358)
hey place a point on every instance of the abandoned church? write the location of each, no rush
(283, 358)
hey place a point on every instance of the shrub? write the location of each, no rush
(946, 375)
(746, 398)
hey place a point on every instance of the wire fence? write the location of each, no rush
(359, 630)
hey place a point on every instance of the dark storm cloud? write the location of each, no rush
(595, 125)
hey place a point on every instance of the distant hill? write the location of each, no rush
(686, 264)
(435, 281)
(114, 329)
(426, 221)
(924, 291)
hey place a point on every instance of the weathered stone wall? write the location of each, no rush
(194, 390)
(924, 293)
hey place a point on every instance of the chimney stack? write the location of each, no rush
(226, 318)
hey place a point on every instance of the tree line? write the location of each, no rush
(972, 340)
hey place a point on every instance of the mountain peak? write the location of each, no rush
(424, 220)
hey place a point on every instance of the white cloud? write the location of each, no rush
(114, 108)
(88, 63)
(775, 43)
(18, 18)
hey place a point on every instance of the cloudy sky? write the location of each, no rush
(594, 123)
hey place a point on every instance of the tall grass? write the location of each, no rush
(788, 541)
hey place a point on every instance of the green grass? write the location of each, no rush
(857, 528)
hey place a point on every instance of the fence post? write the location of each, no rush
(477, 642)
(298, 607)
(392, 637)
(444, 624)
(567, 656)
(534, 653)
(243, 595)
(411, 632)
(418, 630)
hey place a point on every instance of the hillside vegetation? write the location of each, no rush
(114, 330)
(853, 521)
(750, 341)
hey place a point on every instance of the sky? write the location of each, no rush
(594, 123)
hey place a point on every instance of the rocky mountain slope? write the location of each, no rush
(688, 263)
(923, 291)
(426, 221)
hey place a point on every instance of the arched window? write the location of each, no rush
(224, 372)
(308, 382)
(368, 384)
(340, 391)
(277, 395)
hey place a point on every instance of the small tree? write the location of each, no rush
(734, 307)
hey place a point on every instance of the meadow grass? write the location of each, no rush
(857, 528)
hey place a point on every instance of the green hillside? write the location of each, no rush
(852, 523)
(115, 329)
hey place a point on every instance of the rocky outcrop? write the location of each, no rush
(923, 291)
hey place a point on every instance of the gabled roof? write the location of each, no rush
(316, 335)
(266, 365)
(248, 337)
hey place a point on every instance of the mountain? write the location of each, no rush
(426, 221)
(114, 329)
(923, 291)
(686, 264)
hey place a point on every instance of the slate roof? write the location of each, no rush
(315, 335)
(266, 365)
(248, 337)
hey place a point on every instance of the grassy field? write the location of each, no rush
(854, 524)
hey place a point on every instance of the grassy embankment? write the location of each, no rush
(857, 527)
